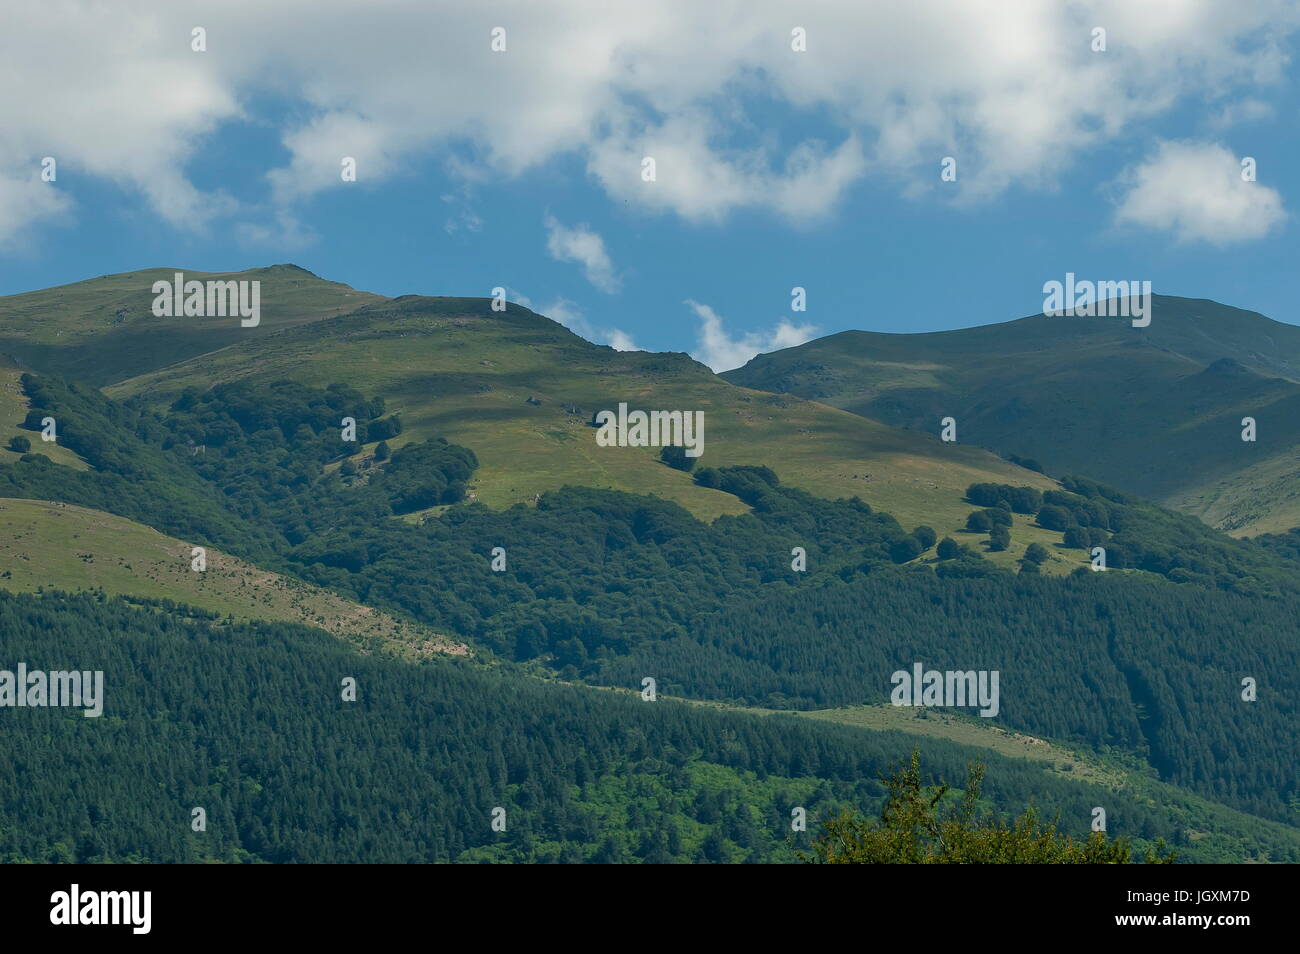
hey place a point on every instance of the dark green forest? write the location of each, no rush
(608, 587)
(247, 721)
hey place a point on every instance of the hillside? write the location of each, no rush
(1155, 411)
(453, 368)
(612, 575)
(64, 547)
(103, 329)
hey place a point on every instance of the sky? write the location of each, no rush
(794, 145)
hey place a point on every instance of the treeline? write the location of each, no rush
(248, 723)
(1283, 545)
(132, 475)
(1138, 535)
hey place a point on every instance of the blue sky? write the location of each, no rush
(533, 185)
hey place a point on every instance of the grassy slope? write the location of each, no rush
(1261, 498)
(72, 548)
(1148, 410)
(103, 330)
(455, 369)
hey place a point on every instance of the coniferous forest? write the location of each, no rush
(246, 722)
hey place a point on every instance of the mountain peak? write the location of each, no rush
(289, 268)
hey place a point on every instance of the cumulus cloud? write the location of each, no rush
(722, 352)
(121, 97)
(1009, 87)
(1196, 192)
(586, 248)
(704, 183)
(320, 147)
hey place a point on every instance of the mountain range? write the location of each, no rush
(475, 435)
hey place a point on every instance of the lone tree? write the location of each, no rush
(914, 829)
(20, 444)
(1036, 553)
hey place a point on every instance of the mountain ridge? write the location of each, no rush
(103, 329)
(453, 367)
(1089, 396)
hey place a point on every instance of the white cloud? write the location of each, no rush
(27, 200)
(705, 184)
(286, 232)
(1009, 87)
(1195, 191)
(464, 216)
(721, 352)
(319, 147)
(116, 95)
(585, 247)
(1236, 113)
(569, 315)
(621, 341)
